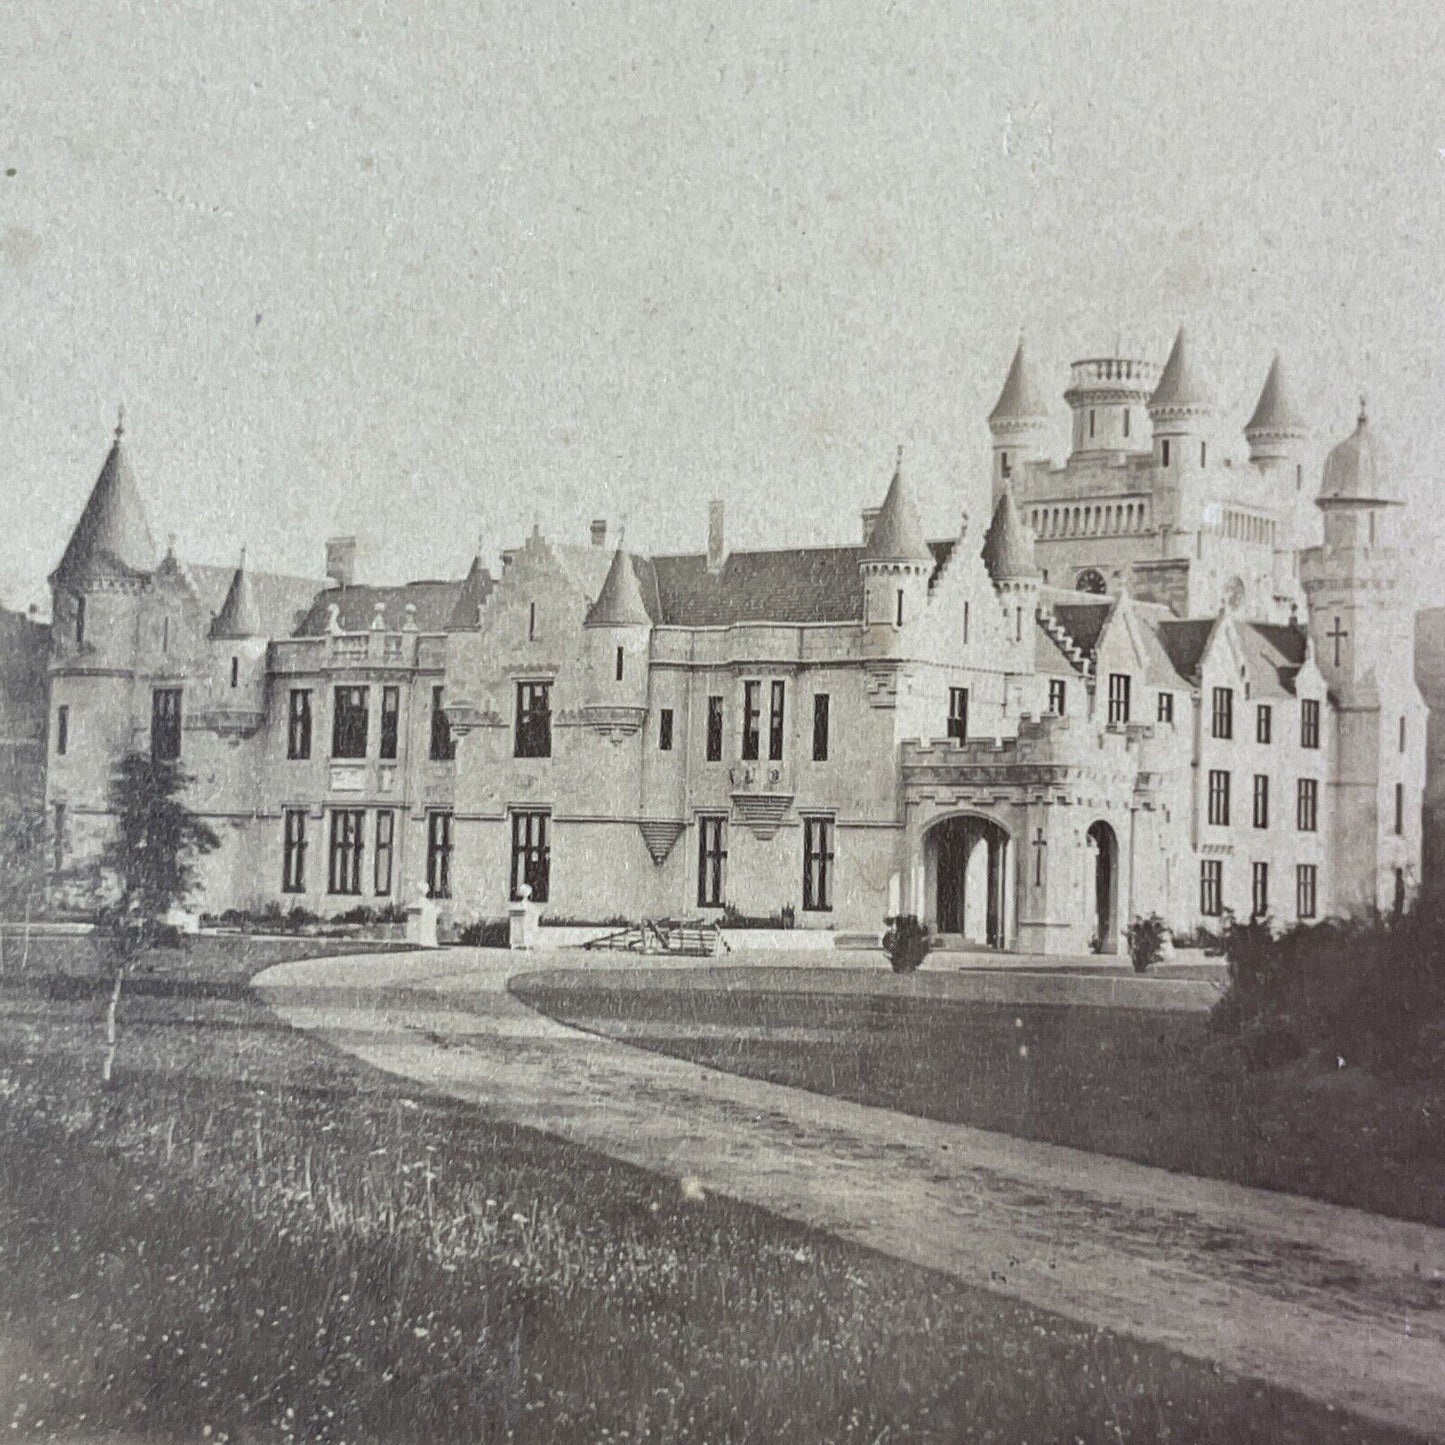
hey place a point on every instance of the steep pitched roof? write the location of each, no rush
(1275, 411)
(1185, 640)
(239, 616)
(1274, 654)
(476, 587)
(619, 603)
(1360, 468)
(1084, 621)
(1048, 658)
(113, 537)
(432, 602)
(790, 586)
(1180, 383)
(1020, 399)
(897, 534)
(280, 601)
(1008, 545)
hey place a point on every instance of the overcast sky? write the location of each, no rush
(435, 271)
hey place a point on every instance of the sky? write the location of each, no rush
(437, 272)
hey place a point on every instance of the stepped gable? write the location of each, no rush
(1083, 622)
(1050, 658)
(619, 603)
(239, 616)
(112, 539)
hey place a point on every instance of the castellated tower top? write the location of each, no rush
(1107, 395)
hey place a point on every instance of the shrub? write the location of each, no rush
(906, 942)
(1367, 991)
(486, 933)
(1146, 942)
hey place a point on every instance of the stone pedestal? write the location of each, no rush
(421, 923)
(524, 920)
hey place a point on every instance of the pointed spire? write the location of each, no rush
(1181, 386)
(897, 534)
(239, 616)
(1008, 545)
(1020, 399)
(113, 537)
(466, 612)
(619, 603)
(1275, 411)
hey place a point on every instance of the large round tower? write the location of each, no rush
(1108, 396)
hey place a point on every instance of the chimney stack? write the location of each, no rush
(341, 560)
(717, 550)
(599, 531)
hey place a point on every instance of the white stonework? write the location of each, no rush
(1163, 680)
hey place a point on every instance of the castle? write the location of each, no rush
(1162, 680)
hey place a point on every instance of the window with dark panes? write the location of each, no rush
(443, 745)
(775, 721)
(821, 705)
(166, 724)
(344, 873)
(298, 724)
(1261, 800)
(752, 711)
(348, 722)
(818, 865)
(1259, 890)
(1305, 883)
(293, 851)
(957, 714)
(383, 851)
(1309, 723)
(1056, 696)
(534, 720)
(712, 857)
(439, 855)
(1219, 797)
(664, 730)
(1307, 805)
(1165, 712)
(1263, 723)
(1119, 697)
(1399, 807)
(714, 729)
(62, 729)
(1211, 887)
(1222, 716)
(531, 854)
(390, 738)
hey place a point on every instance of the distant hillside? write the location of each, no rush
(24, 697)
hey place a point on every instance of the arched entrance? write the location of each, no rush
(1103, 899)
(969, 861)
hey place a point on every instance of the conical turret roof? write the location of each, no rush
(1020, 399)
(1181, 385)
(619, 603)
(1360, 468)
(1275, 411)
(897, 534)
(239, 616)
(466, 614)
(1008, 545)
(113, 537)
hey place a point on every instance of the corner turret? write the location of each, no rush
(1181, 408)
(896, 563)
(1017, 422)
(1008, 554)
(619, 634)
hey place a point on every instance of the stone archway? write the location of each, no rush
(1103, 883)
(969, 867)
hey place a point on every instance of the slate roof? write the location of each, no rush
(1180, 383)
(281, 601)
(434, 602)
(1020, 399)
(790, 586)
(619, 603)
(112, 537)
(1275, 411)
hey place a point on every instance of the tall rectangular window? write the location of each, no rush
(712, 857)
(298, 724)
(664, 730)
(1261, 800)
(617, 673)
(775, 720)
(1118, 697)
(1402, 734)
(57, 839)
(1305, 885)
(443, 745)
(382, 852)
(1164, 452)
(1309, 723)
(349, 722)
(1219, 797)
(235, 671)
(344, 873)
(1166, 707)
(821, 705)
(80, 621)
(957, 714)
(752, 709)
(1056, 696)
(1307, 805)
(531, 855)
(534, 720)
(1211, 887)
(714, 729)
(818, 865)
(900, 608)
(1259, 890)
(439, 854)
(1399, 807)
(62, 729)
(293, 851)
(390, 723)
(1222, 717)
(1263, 723)
(166, 724)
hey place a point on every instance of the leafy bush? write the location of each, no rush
(1146, 938)
(906, 942)
(486, 933)
(1369, 992)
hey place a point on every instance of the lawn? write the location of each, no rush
(253, 1238)
(1144, 1085)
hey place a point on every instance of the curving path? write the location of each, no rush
(1343, 1306)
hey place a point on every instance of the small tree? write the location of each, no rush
(24, 860)
(146, 868)
(906, 942)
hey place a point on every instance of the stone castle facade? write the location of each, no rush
(1161, 680)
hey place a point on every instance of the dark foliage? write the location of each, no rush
(1146, 942)
(1366, 992)
(486, 933)
(906, 942)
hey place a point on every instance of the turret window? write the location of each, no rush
(1402, 734)
(1126, 421)
(1203, 454)
(618, 669)
(62, 730)
(1091, 426)
(1004, 466)
(1056, 696)
(714, 729)
(899, 620)
(235, 671)
(1399, 808)
(1164, 452)
(664, 730)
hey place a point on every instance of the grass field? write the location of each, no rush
(1143, 1085)
(255, 1239)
